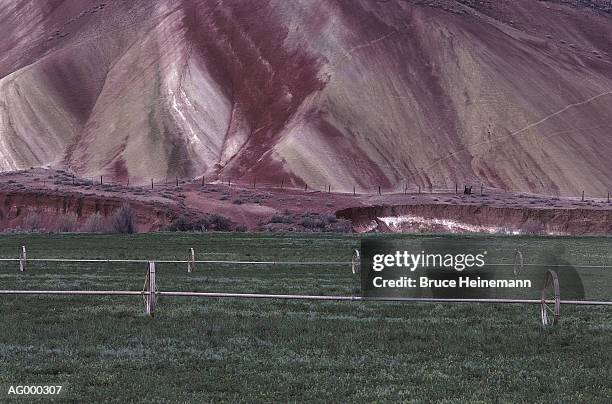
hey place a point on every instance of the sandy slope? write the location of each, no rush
(342, 92)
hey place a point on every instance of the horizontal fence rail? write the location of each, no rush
(183, 261)
(374, 299)
(230, 262)
(550, 296)
(75, 292)
(294, 297)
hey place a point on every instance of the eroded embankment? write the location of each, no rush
(477, 218)
(40, 210)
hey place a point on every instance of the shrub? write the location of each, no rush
(210, 222)
(312, 223)
(95, 224)
(281, 219)
(217, 223)
(329, 218)
(343, 226)
(182, 223)
(33, 221)
(532, 227)
(67, 223)
(124, 220)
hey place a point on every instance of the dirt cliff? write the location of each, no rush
(471, 218)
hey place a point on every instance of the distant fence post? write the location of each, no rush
(254, 183)
(150, 290)
(481, 188)
(101, 183)
(151, 183)
(353, 190)
(305, 187)
(177, 184)
(229, 182)
(456, 189)
(23, 259)
(191, 263)
(202, 180)
(72, 179)
(582, 196)
(282, 183)
(608, 197)
(405, 189)
(329, 189)
(379, 191)
(419, 189)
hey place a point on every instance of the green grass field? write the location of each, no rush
(195, 350)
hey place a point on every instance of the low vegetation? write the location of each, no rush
(104, 349)
(210, 222)
(306, 222)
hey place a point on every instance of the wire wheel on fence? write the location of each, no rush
(356, 262)
(550, 299)
(518, 262)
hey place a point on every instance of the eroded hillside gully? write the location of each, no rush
(478, 219)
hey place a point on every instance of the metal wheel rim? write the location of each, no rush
(550, 299)
(518, 263)
(356, 262)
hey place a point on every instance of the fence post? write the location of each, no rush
(305, 187)
(353, 190)
(177, 184)
(72, 179)
(405, 189)
(254, 182)
(202, 180)
(481, 188)
(191, 263)
(282, 183)
(582, 196)
(101, 183)
(419, 189)
(229, 182)
(150, 290)
(23, 259)
(608, 197)
(329, 189)
(456, 188)
(151, 183)
(379, 192)
(128, 181)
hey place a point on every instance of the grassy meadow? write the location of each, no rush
(203, 350)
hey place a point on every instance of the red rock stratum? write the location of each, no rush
(517, 95)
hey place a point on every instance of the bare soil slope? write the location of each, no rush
(50, 200)
(516, 94)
